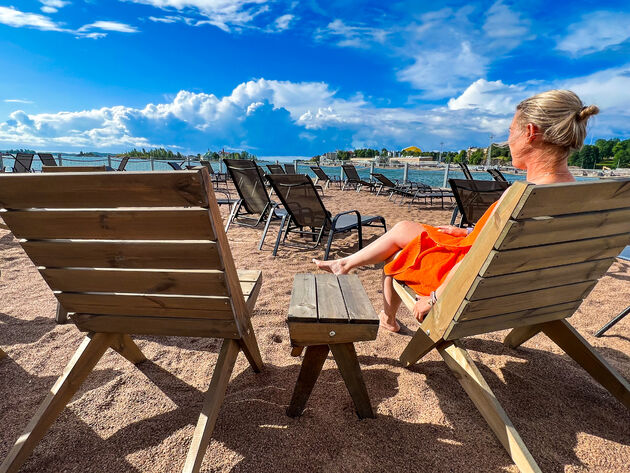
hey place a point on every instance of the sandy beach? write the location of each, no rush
(141, 419)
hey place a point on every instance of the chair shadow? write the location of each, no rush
(12, 333)
(544, 408)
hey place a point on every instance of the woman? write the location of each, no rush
(545, 129)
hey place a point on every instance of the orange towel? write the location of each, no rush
(426, 261)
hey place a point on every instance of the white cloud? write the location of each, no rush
(442, 73)
(221, 13)
(493, 97)
(503, 23)
(109, 26)
(17, 101)
(52, 6)
(351, 36)
(12, 17)
(282, 22)
(597, 31)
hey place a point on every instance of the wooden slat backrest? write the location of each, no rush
(535, 259)
(128, 244)
(548, 256)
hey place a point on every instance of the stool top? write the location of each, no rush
(324, 297)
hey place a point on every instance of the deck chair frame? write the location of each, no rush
(354, 180)
(47, 159)
(552, 245)
(473, 197)
(320, 174)
(497, 175)
(23, 162)
(467, 174)
(161, 265)
(275, 169)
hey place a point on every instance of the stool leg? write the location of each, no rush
(348, 364)
(311, 367)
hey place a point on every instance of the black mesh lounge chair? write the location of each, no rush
(353, 178)
(388, 185)
(306, 211)
(176, 166)
(216, 177)
(23, 162)
(275, 169)
(466, 171)
(289, 169)
(47, 159)
(424, 192)
(497, 175)
(473, 198)
(123, 163)
(321, 175)
(254, 204)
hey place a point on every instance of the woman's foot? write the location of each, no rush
(335, 266)
(388, 323)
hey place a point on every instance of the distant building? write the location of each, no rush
(413, 149)
(331, 155)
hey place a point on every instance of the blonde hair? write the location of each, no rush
(560, 115)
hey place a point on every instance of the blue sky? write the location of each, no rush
(299, 77)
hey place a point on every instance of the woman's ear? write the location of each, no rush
(531, 132)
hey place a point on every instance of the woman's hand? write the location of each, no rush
(452, 230)
(421, 308)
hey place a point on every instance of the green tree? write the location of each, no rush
(590, 156)
(477, 157)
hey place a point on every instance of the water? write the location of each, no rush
(432, 178)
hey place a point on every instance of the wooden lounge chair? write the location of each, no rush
(354, 180)
(305, 209)
(47, 159)
(473, 197)
(23, 162)
(530, 268)
(164, 268)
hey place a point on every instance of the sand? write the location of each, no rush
(141, 419)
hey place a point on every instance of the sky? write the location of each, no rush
(281, 77)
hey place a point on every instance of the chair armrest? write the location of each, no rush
(334, 220)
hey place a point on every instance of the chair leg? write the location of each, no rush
(2, 354)
(124, 345)
(61, 317)
(420, 345)
(309, 372)
(464, 369)
(282, 222)
(233, 214)
(360, 232)
(328, 243)
(610, 324)
(266, 229)
(348, 364)
(249, 345)
(574, 345)
(80, 366)
(520, 335)
(211, 405)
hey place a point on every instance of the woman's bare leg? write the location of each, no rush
(376, 252)
(391, 303)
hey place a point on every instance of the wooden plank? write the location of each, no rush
(211, 406)
(303, 305)
(168, 326)
(523, 301)
(148, 305)
(330, 304)
(464, 369)
(555, 199)
(48, 169)
(136, 224)
(546, 256)
(545, 230)
(574, 345)
(358, 305)
(348, 364)
(307, 333)
(407, 294)
(124, 254)
(520, 318)
(102, 190)
(484, 288)
(124, 345)
(201, 283)
(251, 282)
(80, 366)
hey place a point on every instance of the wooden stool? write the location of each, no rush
(329, 312)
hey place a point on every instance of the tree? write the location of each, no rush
(590, 156)
(477, 157)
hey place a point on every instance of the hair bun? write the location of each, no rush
(586, 112)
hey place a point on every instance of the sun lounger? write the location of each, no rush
(254, 204)
(305, 209)
(467, 174)
(473, 197)
(392, 187)
(123, 163)
(531, 266)
(354, 180)
(132, 253)
(275, 169)
(176, 166)
(23, 162)
(321, 175)
(289, 168)
(217, 177)
(47, 159)
(497, 175)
